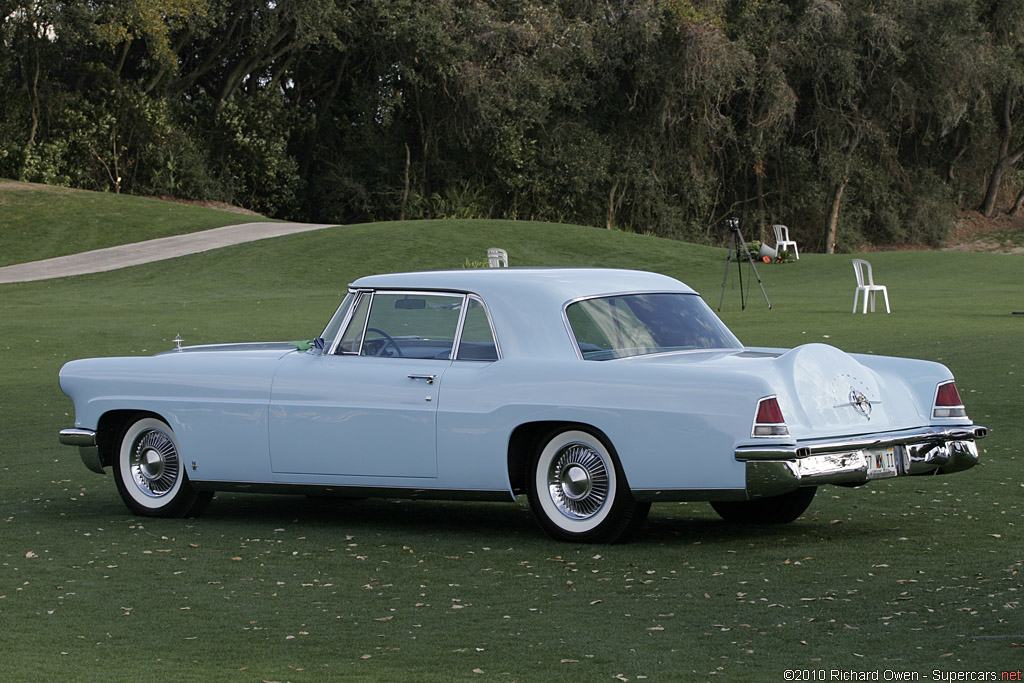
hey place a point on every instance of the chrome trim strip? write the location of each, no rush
(354, 491)
(457, 339)
(366, 322)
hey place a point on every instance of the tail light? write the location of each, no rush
(769, 420)
(947, 402)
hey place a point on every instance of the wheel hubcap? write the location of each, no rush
(578, 481)
(154, 463)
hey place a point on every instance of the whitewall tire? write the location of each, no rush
(578, 492)
(150, 472)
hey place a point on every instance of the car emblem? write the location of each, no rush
(860, 402)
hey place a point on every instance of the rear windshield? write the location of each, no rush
(637, 324)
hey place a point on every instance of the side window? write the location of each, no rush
(477, 341)
(607, 323)
(332, 329)
(410, 325)
(353, 336)
(638, 324)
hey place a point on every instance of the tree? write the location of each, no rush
(1005, 21)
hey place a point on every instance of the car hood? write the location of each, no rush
(821, 389)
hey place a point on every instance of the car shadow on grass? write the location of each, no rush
(377, 515)
(492, 521)
(676, 531)
(479, 521)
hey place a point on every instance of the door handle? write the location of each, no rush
(430, 378)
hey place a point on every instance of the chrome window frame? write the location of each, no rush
(356, 293)
(359, 293)
(462, 323)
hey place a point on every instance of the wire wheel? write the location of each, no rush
(150, 474)
(155, 465)
(578, 481)
(578, 492)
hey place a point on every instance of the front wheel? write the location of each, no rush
(150, 473)
(578, 492)
(775, 510)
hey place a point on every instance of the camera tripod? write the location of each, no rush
(736, 237)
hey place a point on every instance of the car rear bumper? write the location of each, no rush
(774, 470)
(85, 439)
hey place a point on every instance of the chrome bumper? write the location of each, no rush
(85, 439)
(774, 470)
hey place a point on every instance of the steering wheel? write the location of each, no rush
(389, 342)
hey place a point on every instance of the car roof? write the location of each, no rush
(525, 304)
(563, 284)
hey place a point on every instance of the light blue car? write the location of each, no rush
(595, 392)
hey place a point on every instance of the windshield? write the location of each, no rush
(639, 324)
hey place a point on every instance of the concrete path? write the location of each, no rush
(112, 258)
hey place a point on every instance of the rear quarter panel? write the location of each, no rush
(672, 427)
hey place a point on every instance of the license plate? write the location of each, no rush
(881, 462)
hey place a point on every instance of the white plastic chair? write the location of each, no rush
(868, 286)
(782, 241)
(497, 258)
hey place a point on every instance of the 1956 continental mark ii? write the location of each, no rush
(594, 392)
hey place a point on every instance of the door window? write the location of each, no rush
(477, 341)
(404, 325)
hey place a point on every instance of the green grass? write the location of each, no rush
(39, 221)
(907, 575)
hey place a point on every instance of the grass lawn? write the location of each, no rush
(40, 221)
(920, 576)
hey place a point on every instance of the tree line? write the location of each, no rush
(848, 120)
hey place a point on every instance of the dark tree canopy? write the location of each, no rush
(848, 120)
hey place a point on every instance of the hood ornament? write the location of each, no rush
(177, 341)
(860, 402)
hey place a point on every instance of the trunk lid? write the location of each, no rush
(820, 389)
(823, 389)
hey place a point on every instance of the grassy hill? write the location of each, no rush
(41, 221)
(906, 576)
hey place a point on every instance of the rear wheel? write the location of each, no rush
(578, 492)
(775, 510)
(150, 473)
